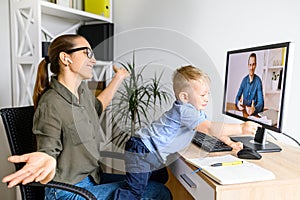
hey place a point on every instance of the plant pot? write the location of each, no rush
(274, 85)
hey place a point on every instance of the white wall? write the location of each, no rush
(190, 31)
(216, 27)
(5, 99)
(5, 75)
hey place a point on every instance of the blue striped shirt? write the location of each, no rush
(251, 91)
(173, 131)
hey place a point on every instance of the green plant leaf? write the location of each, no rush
(136, 98)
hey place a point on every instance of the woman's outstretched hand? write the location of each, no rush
(39, 167)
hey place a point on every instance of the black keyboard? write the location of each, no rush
(210, 143)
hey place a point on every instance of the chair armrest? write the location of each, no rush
(111, 154)
(65, 186)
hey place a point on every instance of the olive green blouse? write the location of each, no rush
(68, 129)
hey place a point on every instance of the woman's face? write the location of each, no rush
(81, 64)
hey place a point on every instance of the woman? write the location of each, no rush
(67, 128)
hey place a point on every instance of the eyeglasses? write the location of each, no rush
(89, 52)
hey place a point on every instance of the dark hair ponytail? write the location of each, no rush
(41, 83)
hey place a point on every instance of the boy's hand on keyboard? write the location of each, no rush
(236, 146)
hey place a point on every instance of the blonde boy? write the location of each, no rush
(174, 130)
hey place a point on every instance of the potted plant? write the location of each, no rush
(275, 78)
(135, 101)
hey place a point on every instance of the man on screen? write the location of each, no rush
(250, 94)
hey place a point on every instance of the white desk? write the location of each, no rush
(285, 165)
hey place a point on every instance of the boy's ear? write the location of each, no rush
(184, 97)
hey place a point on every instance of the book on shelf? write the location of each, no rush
(78, 4)
(67, 3)
(231, 174)
(98, 7)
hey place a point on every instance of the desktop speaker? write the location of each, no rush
(100, 37)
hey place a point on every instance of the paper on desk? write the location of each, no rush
(270, 114)
(243, 173)
(236, 112)
(263, 120)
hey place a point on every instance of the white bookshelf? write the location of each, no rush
(31, 23)
(272, 63)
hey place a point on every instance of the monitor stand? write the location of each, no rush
(258, 143)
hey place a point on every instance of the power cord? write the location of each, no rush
(286, 136)
(291, 138)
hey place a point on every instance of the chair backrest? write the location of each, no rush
(17, 122)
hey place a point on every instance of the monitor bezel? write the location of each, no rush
(284, 80)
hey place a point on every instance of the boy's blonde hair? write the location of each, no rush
(183, 76)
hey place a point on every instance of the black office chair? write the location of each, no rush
(18, 126)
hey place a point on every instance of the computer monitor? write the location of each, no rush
(256, 89)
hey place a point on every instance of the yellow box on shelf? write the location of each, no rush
(99, 7)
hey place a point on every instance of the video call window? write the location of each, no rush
(260, 97)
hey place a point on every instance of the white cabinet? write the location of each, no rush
(193, 183)
(35, 21)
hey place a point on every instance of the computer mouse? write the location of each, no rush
(248, 153)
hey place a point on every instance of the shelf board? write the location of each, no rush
(103, 63)
(70, 13)
(275, 67)
(273, 92)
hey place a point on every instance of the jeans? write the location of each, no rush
(106, 189)
(140, 164)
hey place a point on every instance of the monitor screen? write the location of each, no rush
(255, 84)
